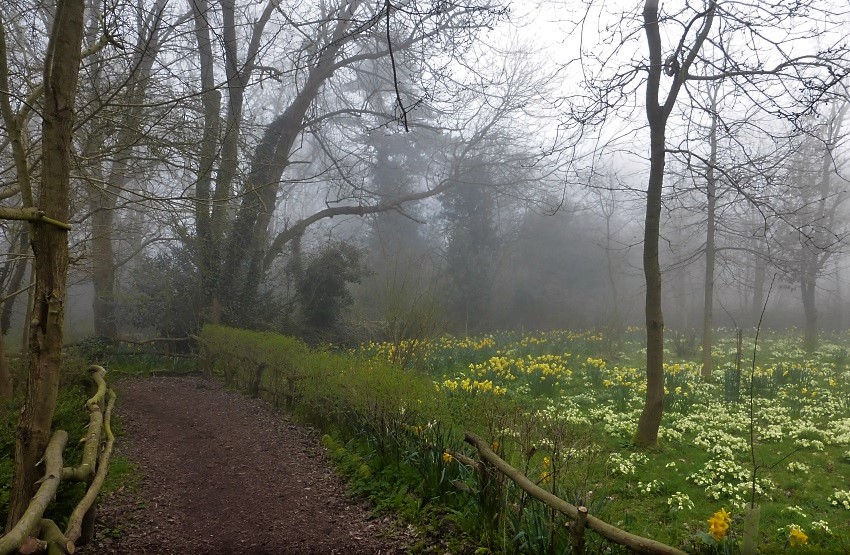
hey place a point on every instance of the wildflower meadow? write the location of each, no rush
(771, 430)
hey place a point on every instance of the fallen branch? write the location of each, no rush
(75, 521)
(155, 340)
(31, 519)
(94, 467)
(635, 543)
(89, 460)
(57, 543)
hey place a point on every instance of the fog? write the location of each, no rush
(459, 171)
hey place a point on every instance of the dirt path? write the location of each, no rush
(222, 473)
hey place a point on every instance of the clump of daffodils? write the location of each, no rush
(718, 524)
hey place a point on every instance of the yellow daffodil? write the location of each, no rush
(718, 524)
(797, 537)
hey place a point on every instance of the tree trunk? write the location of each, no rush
(18, 270)
(613, 322)
(710, 252)
(104, 202)
(808, 283)
(656, 116)
(103, 263)
(50, 247)
(816, 249)
(650, 418)
(207, 244)
(243, 261)
(839, 301)
(212, 206)
(15, 282)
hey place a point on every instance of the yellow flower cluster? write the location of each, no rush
(470, 386)
(398, 352)
(681, 368)
(796, 536)
(718, 524)
(557, 337)
(497, 367)
(597, 363)
(465, 343)
(547, 368)
(625, 377)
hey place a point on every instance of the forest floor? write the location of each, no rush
(222, 473)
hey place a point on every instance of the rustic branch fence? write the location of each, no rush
(581, 520)
(35, 534)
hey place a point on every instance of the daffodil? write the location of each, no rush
(718, 524)
(797, 537)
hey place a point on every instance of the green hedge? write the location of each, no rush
(327, 388)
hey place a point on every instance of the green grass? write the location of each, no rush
(123, 475)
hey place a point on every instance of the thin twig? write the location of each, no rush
(752, 394)
(395, 74)
(16, 293)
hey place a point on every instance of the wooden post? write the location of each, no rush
(206, 358)
(577, 531)
(256, 380)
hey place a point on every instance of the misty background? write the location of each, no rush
(248, 163)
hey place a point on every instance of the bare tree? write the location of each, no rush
(815, 198)
(49, 242)
(127, 128)
(730, 42)
(387, 49)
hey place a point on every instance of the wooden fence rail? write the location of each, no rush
(581, 519)
(34, 534)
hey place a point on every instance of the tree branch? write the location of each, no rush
(31, 215)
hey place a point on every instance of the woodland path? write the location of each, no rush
(222, 473)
